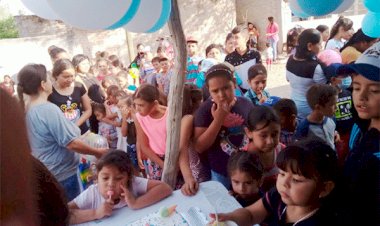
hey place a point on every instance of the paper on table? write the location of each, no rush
(242, 71)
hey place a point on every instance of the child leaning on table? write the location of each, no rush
(116, 188)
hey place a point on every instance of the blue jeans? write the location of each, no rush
(71, 187)
(222, 179)
(273, 44)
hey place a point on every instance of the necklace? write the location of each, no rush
(68, 102)
(302, 218)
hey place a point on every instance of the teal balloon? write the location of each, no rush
(371, 24)
(372, 5)
(320, 7)
(298, 13)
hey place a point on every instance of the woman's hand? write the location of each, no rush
(190, 187)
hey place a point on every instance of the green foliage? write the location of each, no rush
(8, 28)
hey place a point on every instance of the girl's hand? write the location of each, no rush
(141, 164)
(220, 111)
(262, 99)
(190, 187)
(105, 210)
(129, 198)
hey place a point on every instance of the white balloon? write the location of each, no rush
(343, 7)
(41, 8)
(151, 16)
(94, 14)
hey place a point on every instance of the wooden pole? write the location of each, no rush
(173, 122)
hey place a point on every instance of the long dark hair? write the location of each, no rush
(29, 80)
(346, 23)
(61, 65)
(307, 36)
(358, 37)
(192, 98)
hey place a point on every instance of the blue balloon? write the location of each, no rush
(319, 8)
(371, 24)
(372, 5)
(298, 13)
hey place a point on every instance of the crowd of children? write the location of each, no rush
(280, 158)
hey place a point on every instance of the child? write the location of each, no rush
(107, 128)
(152, 77)
(116, 188)
(113, 111)
(287, 111)
(340, 33)
(163, 78)
(361, 170)
(307, 176)
(322, 100)
(263, 130)
(269, 55)
(219, 122)
(150, 122)
(246, 173)
(257, 79)
(192, 169)
(102, 66)
(8, 84)
(192, 60)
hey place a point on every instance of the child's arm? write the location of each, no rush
(78, 216)
(191, 186)
(142, 139)
(253, 214)
(156, 191)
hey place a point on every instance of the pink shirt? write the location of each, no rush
(155, 130)
(273, 28)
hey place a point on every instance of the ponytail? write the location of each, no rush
(20, 93)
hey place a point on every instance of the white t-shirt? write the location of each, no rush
(334, 44)
(91, 198)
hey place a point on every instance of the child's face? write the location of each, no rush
(288, 122)
(192, 48)
(366, 97)
(230, 45)
(113, 99)
(325, 35)
(164, 66)
(243, 184)
(110, 179)
(99, 115)
(258, 83)
(123, 82)
(265, 139)
(156, 65)
(296, 190)
(214, 53)
(329, 108)
(221, 90)
(239, 40)
(103, 67)
(143, 107)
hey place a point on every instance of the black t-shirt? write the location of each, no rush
(236, 59)
(230, 137)
(70, 105)
(343, 114)
(94, 91)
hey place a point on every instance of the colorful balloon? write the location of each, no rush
(40, 8)
(319, 8)
(329, 56)
(372, 5)
(371, 24)
(296, 10)
(344, 6)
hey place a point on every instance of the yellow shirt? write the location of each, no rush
(350, 54)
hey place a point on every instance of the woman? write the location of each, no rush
(53, 139)
(95, 92)
(70, 96)
(272, 36)
(355, 46)
(303, 70)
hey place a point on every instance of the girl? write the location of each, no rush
(8, 84)
(325, 33)
(355, 46)
(272, 36)
(115, 65)
(150, 121)
(70, 96)
(114, 113)
(53, 139)
(303, 70)
(102, 66)
(257, 79)
(264, 131)
(307, 176)
(246, 172)
(107, 128)
(57, 53)
(220, 120)
(192, 169)
(116, 188)
(340, 32)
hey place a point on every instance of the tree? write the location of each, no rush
(8, 28)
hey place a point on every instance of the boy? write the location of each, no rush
(287, 111)
(192, 60)
(152, 77)
(322, 101)
(163, 78)
(257, 80)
